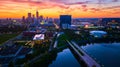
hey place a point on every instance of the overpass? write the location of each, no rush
(85, 57)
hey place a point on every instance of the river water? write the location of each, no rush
(106, 54)
(65, 59)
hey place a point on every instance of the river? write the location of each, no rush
(106, 54)
(65, 59)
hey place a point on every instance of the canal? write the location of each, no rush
(106, 54)
(65, 59)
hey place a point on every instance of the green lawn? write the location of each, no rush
(5, 37)
(62, 40)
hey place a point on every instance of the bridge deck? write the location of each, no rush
(86, 58)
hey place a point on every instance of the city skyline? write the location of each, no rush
(59, 33)
(54, 8)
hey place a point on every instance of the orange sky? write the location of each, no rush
(54, 8)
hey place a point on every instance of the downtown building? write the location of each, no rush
(65, 21)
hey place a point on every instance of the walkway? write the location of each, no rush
(56, 41)
(18, 50)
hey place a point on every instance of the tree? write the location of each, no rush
(11, 64)
(26, 65)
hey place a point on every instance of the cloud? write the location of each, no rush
(94, 9)
(84, 9)
(115, 0)
(112, 7)
(84, 6)
(85, 2)
(38, 4)
(118, 12)
(60, 6)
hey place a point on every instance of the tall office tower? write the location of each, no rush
(23, 19)
(37, 14)
(65, 21)
(41, 18)
(33, 17)
(29, 15)
(29, 18)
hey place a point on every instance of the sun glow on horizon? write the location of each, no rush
(54, 8)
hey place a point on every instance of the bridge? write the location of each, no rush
(85, 57)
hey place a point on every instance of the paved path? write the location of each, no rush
(18, 51)
(56, 42)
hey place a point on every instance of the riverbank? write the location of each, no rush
(84, 37)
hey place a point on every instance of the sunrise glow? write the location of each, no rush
(54, 8)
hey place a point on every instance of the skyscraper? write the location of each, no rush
(37, 14)
(29, 15)
(29, 18)
(41, 18)
(65, 21)
(23, 19)
(33, 18)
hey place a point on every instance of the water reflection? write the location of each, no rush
(65, 59)
(106, 54)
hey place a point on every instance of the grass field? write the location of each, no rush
(5, 37)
